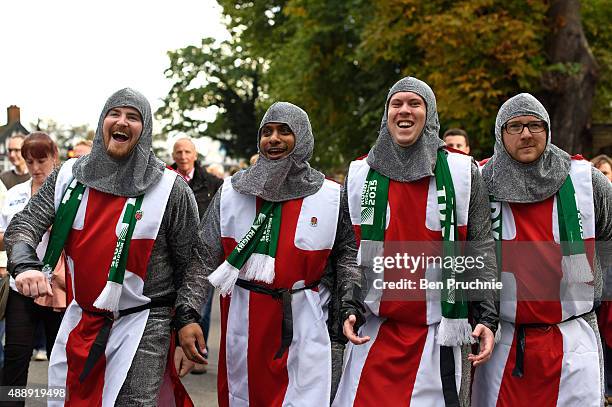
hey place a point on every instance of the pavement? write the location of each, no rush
(201, 388)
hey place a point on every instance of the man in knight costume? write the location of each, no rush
(279, 225)
(410, 188)
(548, 210)
(117, 213)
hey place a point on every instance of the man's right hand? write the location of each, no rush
(33, 283)
(190, 337)
(349, 331)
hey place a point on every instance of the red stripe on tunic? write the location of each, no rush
(80, 340)
(540, 276)
(93, 247)
(543, 361)
(268, 378)
(390, 370)
(222, 385)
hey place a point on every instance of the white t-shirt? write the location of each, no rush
(15, 200)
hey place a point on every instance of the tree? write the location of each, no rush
(218, 80)
(569, 82)
(338, 59)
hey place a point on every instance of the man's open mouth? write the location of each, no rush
(276, 151)
(405, 124)
(120, 136)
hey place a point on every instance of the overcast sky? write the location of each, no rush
(61, 59)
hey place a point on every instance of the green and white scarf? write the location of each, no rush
(574, 263)
(255, 253)
(64, 218)
(454, 327)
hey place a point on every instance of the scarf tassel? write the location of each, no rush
(454, 332)
(576, 269)
(109, 297)
(260, 267)
(224, 278)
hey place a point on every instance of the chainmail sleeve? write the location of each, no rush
(28, 227)
(206, 255)
(176, 242)
(483, 305)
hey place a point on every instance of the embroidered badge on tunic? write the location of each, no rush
(138, 215)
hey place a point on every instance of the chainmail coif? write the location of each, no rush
(406, 164)
(133, 175)
(290, 177)
(512, 181)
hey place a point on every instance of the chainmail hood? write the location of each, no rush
(417, 161)
(133, 175)
(512, 181)
(290, 177)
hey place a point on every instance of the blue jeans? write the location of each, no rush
(205, 314)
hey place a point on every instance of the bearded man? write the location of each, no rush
(280, 228)
(117, 213)
(548, 210)
(410, 188)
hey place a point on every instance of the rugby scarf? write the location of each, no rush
(254, 255)
(454, 327)
(109, 297)
(574, 263)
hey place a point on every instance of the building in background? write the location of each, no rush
(13, 126)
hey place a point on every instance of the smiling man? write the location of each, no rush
(549, 209)
(285, 241)
(116, 213)
(409, 188)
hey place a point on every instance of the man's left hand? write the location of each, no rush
(487, 342)
(182, 364)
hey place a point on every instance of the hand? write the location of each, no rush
(189, 337)
(487, 342)
(181, 363)
(33, 283)
(3, 272)
(349, 331)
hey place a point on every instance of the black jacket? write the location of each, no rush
(204, 187)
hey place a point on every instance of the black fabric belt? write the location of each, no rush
(447, 374)
(283, 294)
(99, 346)
(521, 341)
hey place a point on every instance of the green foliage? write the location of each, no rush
(596, 17)
(337, 60)
(222, 77)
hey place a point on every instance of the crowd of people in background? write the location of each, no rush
(29, 326)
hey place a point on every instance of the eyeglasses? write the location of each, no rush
(517, 127)
(14, 150)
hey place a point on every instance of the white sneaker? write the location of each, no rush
(40, 355)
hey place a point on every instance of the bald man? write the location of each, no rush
(203, 184)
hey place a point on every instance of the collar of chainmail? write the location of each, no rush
(512, 181)
(133, 175)
(290, 177)
(417, 161)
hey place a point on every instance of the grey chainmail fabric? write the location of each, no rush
(129, 177)
(290, 177)
(512, 181)
(171, 269)
(417, 161)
